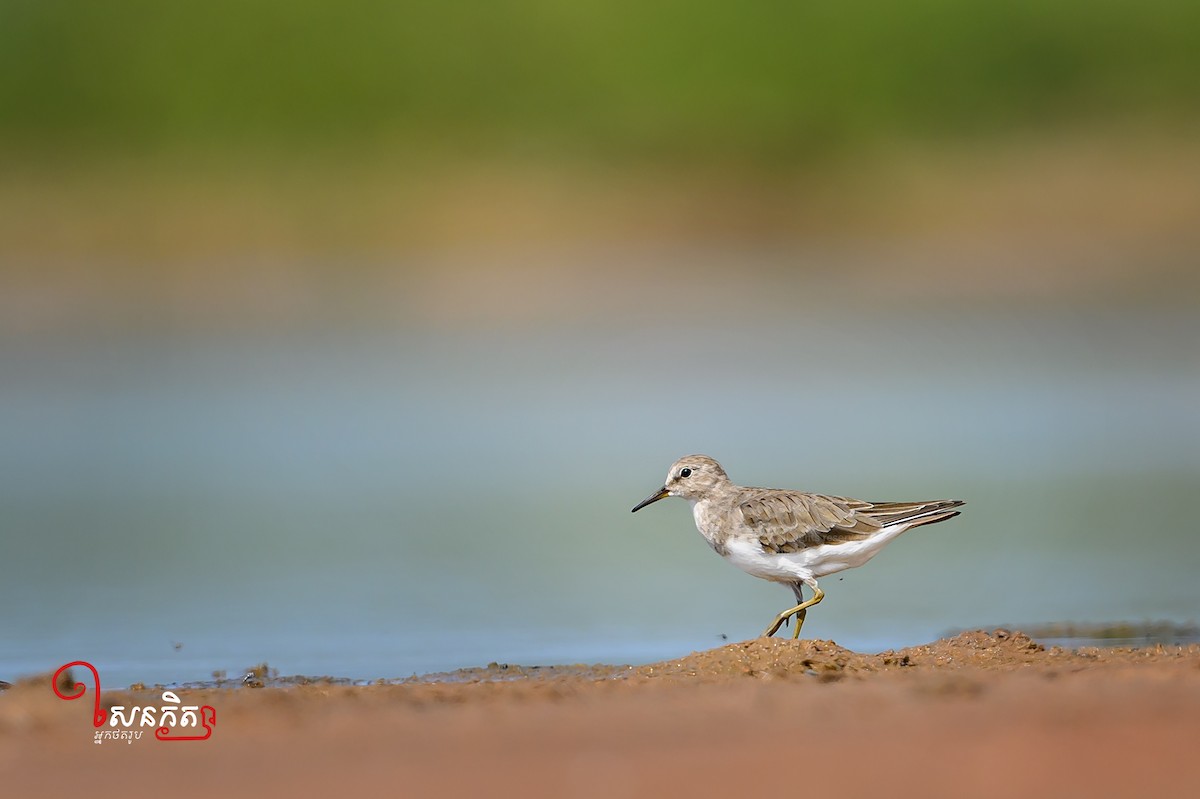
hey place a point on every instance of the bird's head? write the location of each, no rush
(692, 477)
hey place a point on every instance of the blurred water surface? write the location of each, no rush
(388, 501)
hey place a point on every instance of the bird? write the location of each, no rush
(790, 537)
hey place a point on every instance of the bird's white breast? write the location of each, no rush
(707, 521)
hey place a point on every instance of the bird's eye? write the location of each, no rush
(685, 472)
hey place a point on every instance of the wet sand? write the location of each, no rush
(979, 714)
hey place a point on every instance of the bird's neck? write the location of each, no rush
(707, 519)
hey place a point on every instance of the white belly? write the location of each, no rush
(807, 564)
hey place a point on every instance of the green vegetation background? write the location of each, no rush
(775, 82)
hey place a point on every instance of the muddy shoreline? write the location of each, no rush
(976, 714)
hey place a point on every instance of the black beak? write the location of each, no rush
(661, 493)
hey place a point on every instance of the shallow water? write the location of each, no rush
(379, 504)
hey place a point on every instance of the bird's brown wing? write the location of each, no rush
(789, 521)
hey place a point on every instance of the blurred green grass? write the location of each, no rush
(770, 82)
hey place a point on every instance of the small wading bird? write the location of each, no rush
(789, 537)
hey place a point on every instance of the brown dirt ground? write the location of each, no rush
(979, 714)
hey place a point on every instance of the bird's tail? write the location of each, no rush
(915, 514)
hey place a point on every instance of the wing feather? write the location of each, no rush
(789, 521)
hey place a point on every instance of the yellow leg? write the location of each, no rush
(798, 612)
(799, 623)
